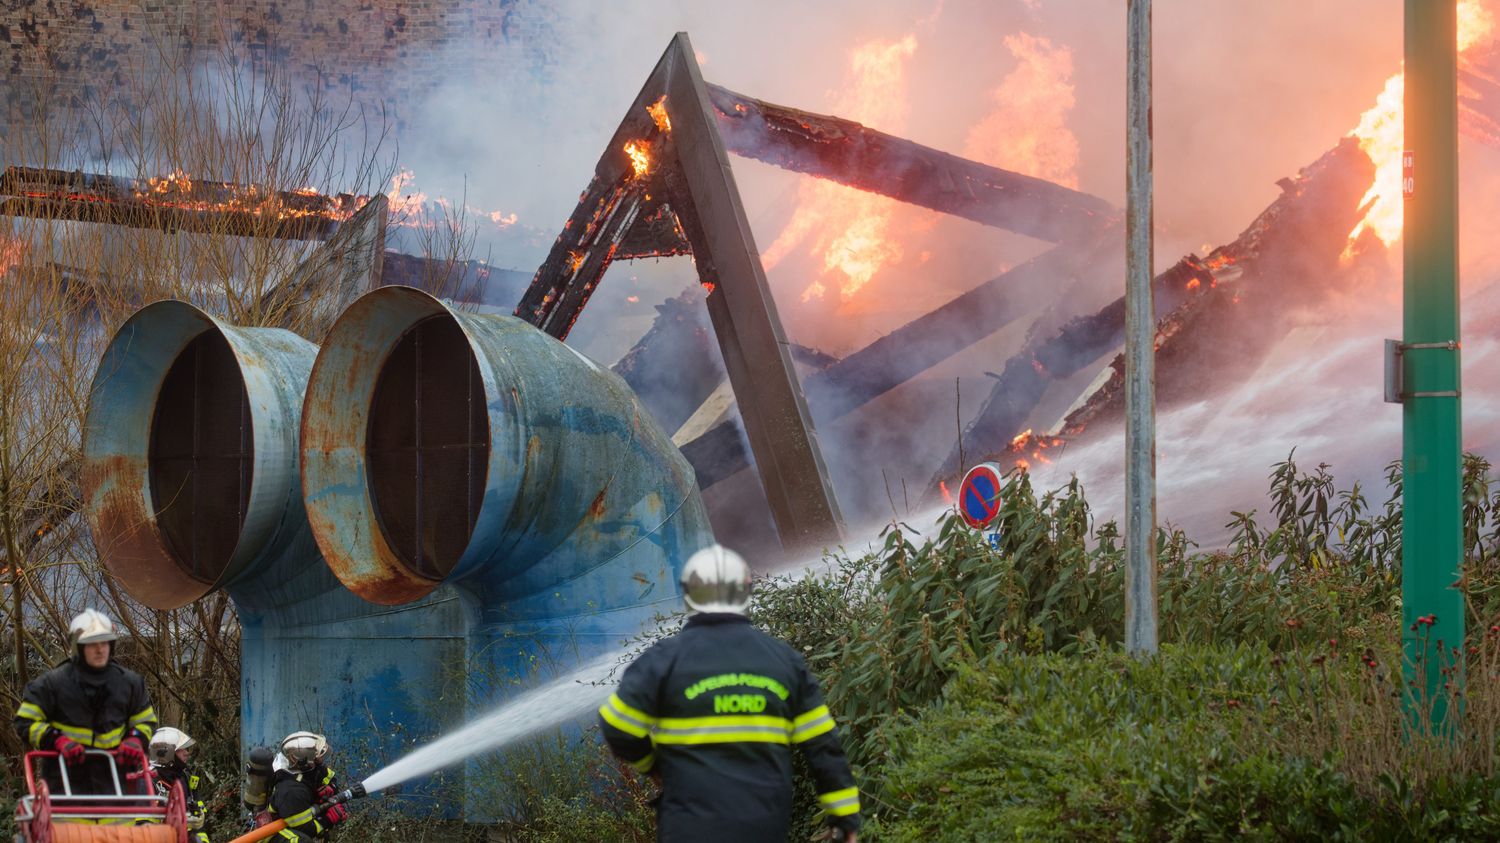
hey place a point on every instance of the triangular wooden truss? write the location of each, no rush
(664, 187)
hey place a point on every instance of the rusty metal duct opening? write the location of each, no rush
(429, 446)
(189, 450)
(440, 446)
(200, 459)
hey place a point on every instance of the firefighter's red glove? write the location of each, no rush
(70, 750)
(335, 815)
(132, 755)
(326, 793)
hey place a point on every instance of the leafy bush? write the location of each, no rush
(1187, 746)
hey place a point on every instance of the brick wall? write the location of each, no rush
(385, 51)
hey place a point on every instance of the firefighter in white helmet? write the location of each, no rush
(171, 761)
(89, 702)
(301, 785)
(713, 712)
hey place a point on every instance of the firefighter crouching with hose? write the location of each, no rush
(298, 790)
(713, 712)
(89, 702)
(171, 755)
(294, 795)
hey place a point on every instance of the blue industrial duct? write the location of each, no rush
(501, 504)
(449, 450)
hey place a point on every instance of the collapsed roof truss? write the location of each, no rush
(663, 186)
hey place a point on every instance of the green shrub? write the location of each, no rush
(1184, 747)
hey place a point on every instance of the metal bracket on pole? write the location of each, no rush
(1395, 380)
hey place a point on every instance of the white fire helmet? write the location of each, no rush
(303, 750)
(92, 627)
(716, 579)
(165, 743)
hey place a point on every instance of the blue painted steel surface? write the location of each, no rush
(587, 515)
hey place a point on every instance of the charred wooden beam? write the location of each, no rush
(748, 328)
(901, 355)
(172, 204)
(852, 154)
(668, 150)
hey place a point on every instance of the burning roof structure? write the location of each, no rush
(663, 187)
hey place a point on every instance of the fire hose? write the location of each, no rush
(271, 829)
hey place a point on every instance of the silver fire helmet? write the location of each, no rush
(164, 745)
(716, 579)
(92, 627)
(303, 750)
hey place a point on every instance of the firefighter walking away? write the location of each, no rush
(713, 712)
(90, 702)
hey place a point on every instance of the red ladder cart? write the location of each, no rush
(133, 813)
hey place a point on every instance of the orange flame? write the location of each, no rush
(947, 495)
(1028, 447)
(12, 252)
(850, 229)
(658, 111)
(1028, 130)
(640, 157)
(1381, 136)
(410, 208)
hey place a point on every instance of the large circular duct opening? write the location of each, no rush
(201, 457)
(428, 446)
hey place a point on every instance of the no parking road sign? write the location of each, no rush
(979, 495)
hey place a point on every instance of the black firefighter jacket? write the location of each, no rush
(192, 788)
(715, 710)
(294, 798)
(97, 708)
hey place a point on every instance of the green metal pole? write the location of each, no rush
(1432, 525)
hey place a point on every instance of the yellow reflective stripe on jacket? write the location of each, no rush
(300, 819)
(38, 728)
(807, 726)
(90, 738)
(142, 721)
(723, 729)
(645, 764)
(327, 775)
(840, 803)
(631, 721)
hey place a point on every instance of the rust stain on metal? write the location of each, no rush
(383, 580)
(596, 509)
(130, 543)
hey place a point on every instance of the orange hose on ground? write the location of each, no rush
(261, 833)
(63, 832)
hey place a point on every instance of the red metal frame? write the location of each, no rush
(36, 811)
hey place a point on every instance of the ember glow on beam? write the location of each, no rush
(173, 203)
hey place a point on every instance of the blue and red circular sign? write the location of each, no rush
(979, 495)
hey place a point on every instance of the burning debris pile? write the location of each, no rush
(1217, 316)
